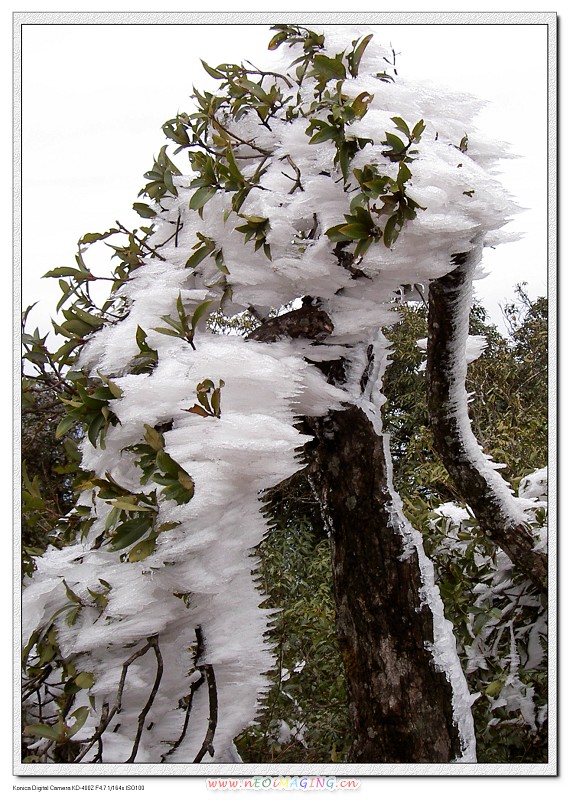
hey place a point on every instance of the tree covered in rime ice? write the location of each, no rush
(318, 191)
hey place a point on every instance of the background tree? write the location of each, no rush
(293, 194)
(49, 464)
(507, 384)
(509, 411)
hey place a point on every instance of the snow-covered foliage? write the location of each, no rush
(502, 637)
(330, 178)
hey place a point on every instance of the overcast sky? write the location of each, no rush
(94, 98)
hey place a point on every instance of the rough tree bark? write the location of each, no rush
(487, 494)
(400, 705)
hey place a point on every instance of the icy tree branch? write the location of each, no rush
(476, 478)
(107, 715)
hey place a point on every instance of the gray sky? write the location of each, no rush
(94, 98)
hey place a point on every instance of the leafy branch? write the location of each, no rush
(256, 228)
(90, 408)
(185, 326)
(209, 399)
(157, 465)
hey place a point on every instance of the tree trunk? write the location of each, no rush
(480, 486)
(400, 704)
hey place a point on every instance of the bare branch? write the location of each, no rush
(206, 676)
(153, 640)
(106, 718)
(207, 672)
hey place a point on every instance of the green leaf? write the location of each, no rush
(90, 238)
(214, 73)
(170, 331)
(395, 142)
(62, 272)
(418, 129)
(144, 210)
(401, 125)
(255, 88)
(66, 424)
(153, 437)
(219, 259)
(216, 399)
(324, 134)
(75, 327)
(493, 689)
(80, 715)
(199, 256)
(181, 310)
(277, 40)
(391, 231)
(358, 53)
(112, 518)
(355, 231)
(335, 234)
(129, 532)
(96, 427)
(142, 550)
(85, 316)
(41, 731)
(404, 174)
(201, 197)
(328, 68)
(186, 481)
(361, 103)
(200, 311)
(70, 594)
(127, 505)
(169, 183)
(113, 388)
(166, 463)
(362, 246)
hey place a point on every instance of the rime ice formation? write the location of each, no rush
(192, 599)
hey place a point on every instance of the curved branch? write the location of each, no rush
(153, 641)
(106, 714)
(481, 486)
(207, 673)
(207, 676)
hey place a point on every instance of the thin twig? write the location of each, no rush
(237, 138)
(153, 640)
(193, 689)
(297, 180)
(207, 672)
(207, 676)
(140, 241)
(105, 720)
(263, 73)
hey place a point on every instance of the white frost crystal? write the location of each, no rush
(199, 576)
